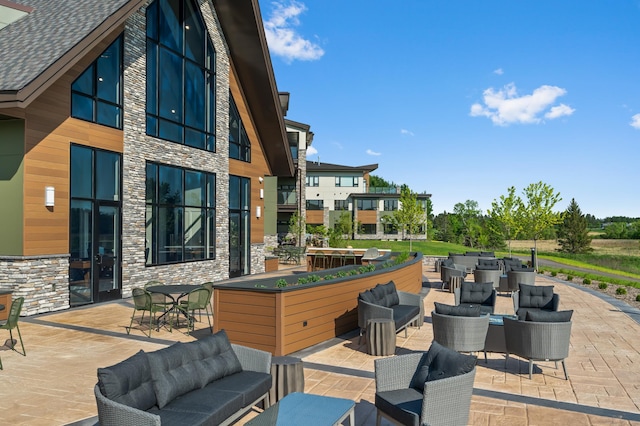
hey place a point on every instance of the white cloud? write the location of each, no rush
(337, 145)
(406, 132)
(505, 106)
(311, 151)
(372, 152)
(635, 121)
(559, 111)
(282, 37)
(498, 71)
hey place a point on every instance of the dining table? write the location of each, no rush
(174, 292)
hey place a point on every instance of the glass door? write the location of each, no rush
(106, 259)
(94, 226)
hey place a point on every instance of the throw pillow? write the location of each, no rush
(129, 382)
(549, 316)
(449, 363)
(475, 292)
(535, 296)
(458, 311)
(216, 357)
(174, 373)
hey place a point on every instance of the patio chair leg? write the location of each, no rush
(505, 360)
(24, 353)
(485, 357)
(530, 368)
(564, 367)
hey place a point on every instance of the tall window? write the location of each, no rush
(368, 229)
(181, 80)
(239, 226)
(341, 204)
(293, 139)
(96, 95)
(181, 215)
(313, 181)
(367, 204)
(315, 204)
(346, 181)
(239, 145)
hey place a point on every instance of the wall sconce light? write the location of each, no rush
(260, 179)
(261, 193)
(258, 212)
(49, 196)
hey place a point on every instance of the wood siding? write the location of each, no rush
(315, 216)
(258, 167)
(49, 133)
(286, 322)
(368, 216)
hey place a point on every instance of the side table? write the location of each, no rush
(381, 337)
(287, 374)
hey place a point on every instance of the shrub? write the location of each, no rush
(569, 277)
(341, 274)
(602, 286)
(303, 280)
(586, 281)
(313, 278)
(329, 277)
(554, 273)
(621, 290)
(638, 298)
(281, 283)
(353, 272)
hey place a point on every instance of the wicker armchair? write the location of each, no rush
(478, 293)
(442, 402)
(458, 333)
(487, 276)
(515, 278)
(446, 272)
(538, 341)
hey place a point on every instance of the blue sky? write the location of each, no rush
(463, 99)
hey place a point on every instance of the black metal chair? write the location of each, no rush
(11, 323)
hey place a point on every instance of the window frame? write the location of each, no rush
(315, 205)
(314, 180)
(243, 144)
(341, 205)
(339, 181)
(361, 201)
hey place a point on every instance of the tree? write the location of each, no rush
(410, 215)
(378, 182)
(537, 214)
(469, 215)
(429, 217)
(574, 231)
(297, 227)
(506, 212)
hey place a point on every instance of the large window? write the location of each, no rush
(313, 180)
(315, 204)
(181, 81)
(96, 95)
(239, 226)
(367, 204)
(346, 181)
(181, 215)
(293, 138)
(239, 145)
(368, 229)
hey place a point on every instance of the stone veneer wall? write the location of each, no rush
(139, 148)
(257, 258)
(42, 280)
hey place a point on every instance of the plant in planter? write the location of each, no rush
(280, 283)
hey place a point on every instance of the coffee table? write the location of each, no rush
(495, 341)
(306, 409)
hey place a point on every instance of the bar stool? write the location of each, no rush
(336, 257)
(349, 258)
(319, 259)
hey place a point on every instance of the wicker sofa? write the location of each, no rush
(208, 381)
(385, 301)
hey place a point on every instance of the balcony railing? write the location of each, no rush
(288, 197)
(383, 190)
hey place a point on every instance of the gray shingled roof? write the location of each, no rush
(32, 44)
(315, 166)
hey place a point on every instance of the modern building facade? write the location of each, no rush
(333, 190)
(136, 138)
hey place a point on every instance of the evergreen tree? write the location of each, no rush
(573, 231)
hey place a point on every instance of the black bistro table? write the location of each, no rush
(174, 292)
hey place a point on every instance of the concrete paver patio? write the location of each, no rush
(53, 384)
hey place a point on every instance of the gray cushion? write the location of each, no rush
(404, 405)
(174, 373)
(536, 296)
(214, 357)
(392, 294)
(250, 385)
(448, 363)
(549, 316)
(379, 294)
(402, 314)
(459, 311)
(476, 292)
(206, 406)
(129, 382)
(367, 296)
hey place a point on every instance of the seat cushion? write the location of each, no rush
(214, 356)
(129, 382)
(458, 311)
(548, 316)
(251, 385)
(448, 363)
(536, 296)
(404, 405)
(209, 405)
(476, 292)
(484, 309)
(402, 314)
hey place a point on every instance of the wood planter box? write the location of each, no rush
(286, 320)
(271, 263)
